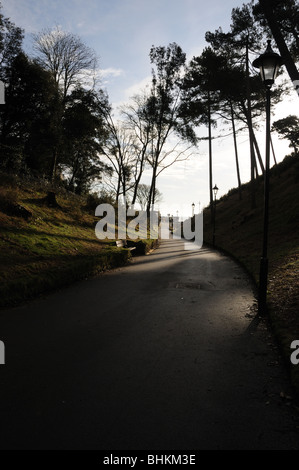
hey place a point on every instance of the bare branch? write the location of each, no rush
(64, 54)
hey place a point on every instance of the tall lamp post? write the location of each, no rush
(269, 64)
(215, 191)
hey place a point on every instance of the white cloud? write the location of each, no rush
(123, 96)
(138, 87)
(111, 72)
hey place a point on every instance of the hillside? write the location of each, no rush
(43, 247)
(239, 231)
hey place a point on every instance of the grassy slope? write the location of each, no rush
(53, 247)
(239, 231)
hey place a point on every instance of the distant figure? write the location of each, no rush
(2, 93)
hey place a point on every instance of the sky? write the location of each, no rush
(121, 32)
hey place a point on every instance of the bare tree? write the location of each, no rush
(119, 151)
(137, 123)
(143, 195)
(70, 62)
(65, 56)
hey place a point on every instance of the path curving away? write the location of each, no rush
(166, 353)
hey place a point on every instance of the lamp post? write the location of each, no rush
(193, 207)
(215, 191)
(269, 64)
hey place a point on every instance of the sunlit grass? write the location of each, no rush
(53, 247)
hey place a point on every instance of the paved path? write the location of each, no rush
(163, 354)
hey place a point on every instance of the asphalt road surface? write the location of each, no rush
(166, 353)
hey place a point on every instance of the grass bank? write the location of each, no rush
(43, 247)
(239, 231)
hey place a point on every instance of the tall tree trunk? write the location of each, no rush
(267, 8)
(258, 153)
(151, 197)
(236, 151)
(135, 191)
(124, 188)
(256, 171)
(137, 182)
(249, 120)
(273, 151)
(251, 140)
(154, 193)
(210, 157)
(54, 165)
(118, 188)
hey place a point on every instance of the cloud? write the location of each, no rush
(111, 72)
(107, 78)
(138, 87)
(30, 14)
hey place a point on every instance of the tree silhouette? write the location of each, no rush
(28, 131)
(288, 128)
(202, 87)
(83, 136)
(164, 111)
(69, 61)
(65, 55)
(282, 17)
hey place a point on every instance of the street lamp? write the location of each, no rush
(193, 207)
(215, 191)
(269, 64)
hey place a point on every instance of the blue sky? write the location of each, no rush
(122, 32)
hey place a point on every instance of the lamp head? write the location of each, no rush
(268, 64)
(215, 189)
